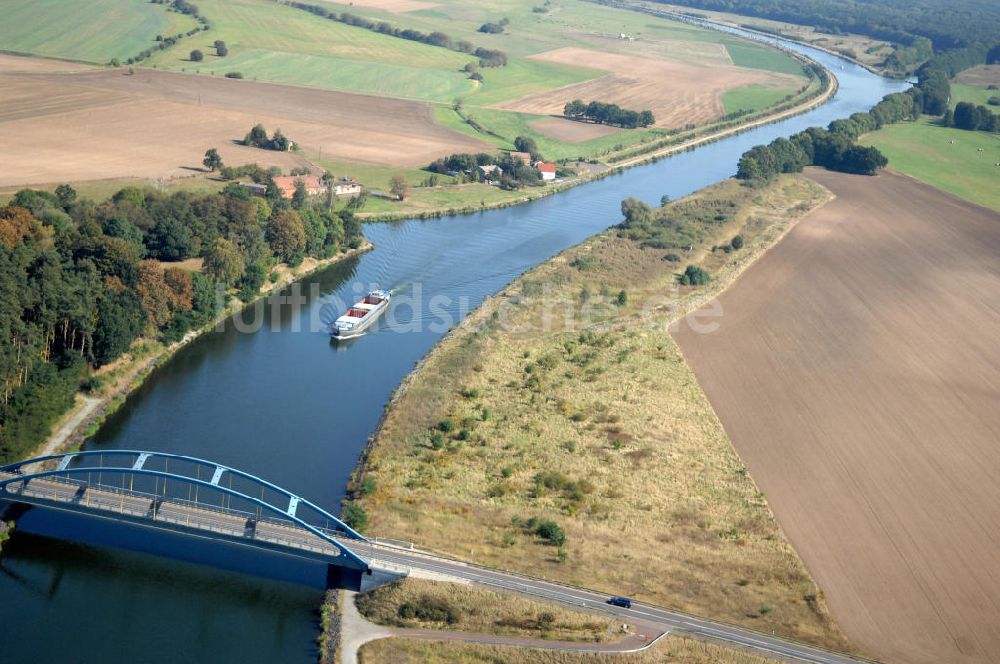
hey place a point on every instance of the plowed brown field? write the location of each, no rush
(857, 371)
(678, 93)
(572, 131)
(94, 124)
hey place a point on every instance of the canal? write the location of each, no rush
(274, 396)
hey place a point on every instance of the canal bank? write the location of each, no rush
(289, 406)
(90, 411)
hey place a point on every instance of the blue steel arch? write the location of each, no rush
(136, 468)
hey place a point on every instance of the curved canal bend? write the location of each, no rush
(283, 402)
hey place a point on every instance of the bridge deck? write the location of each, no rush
(210, 519)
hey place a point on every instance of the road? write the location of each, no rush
(396, 558)
(659, 617)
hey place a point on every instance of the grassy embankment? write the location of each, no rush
(667, 649)
(599, 426)
(944, 157)
(423, 604)
(86, 30)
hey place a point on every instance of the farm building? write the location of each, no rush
(346, 187)
(525, 157)
(286, 184)
(548, 171)
(491, 173)
(254, 188)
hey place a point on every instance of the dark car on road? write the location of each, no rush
(623, 602)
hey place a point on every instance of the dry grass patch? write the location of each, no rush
(457, 607)
(982, 76)
(668, 649)
(638, 83)
(555, 402)
(571, 131)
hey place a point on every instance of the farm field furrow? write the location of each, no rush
(855, 368)
(678, 93)
(104, 118)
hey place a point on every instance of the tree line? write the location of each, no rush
(609, 114)
(949, 25)
(487, 57)
(971, 117)
(516, 173)
(80, 281)
(835, 148)
(163, 43)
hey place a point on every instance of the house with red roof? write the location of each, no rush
(548, 171)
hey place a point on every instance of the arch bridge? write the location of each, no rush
(187, 495)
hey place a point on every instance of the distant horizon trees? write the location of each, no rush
(609, 114)
(956, 24)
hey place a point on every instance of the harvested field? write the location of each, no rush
(571, 131)
(678, 93)
(17, 63)
(106, 124)
(983, 75)
(856, 371)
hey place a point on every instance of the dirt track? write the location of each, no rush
(94, 124)
(678, 93)
(857, 370)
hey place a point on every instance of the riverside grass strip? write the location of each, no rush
(603, 430)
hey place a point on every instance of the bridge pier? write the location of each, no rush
(357, 580)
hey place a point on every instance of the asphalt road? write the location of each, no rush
(662, 618)
(393, 557)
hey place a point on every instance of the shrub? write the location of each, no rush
(355, 516)
(622, 298)
(234, 74)
(429, 609)
(368, 486)
(993, 101)
(736, 242)
(446, 425)
(197, 56)
(672, 258)
(695, 276)
(551, 532)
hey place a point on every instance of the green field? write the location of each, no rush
(272, 42)
(86, 30)
(973, 94)
(511, 125)
(925, 151)
(524, 77)
(324, 71)
(753, 97)
(760, 57)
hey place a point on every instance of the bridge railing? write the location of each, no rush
(194, 505)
